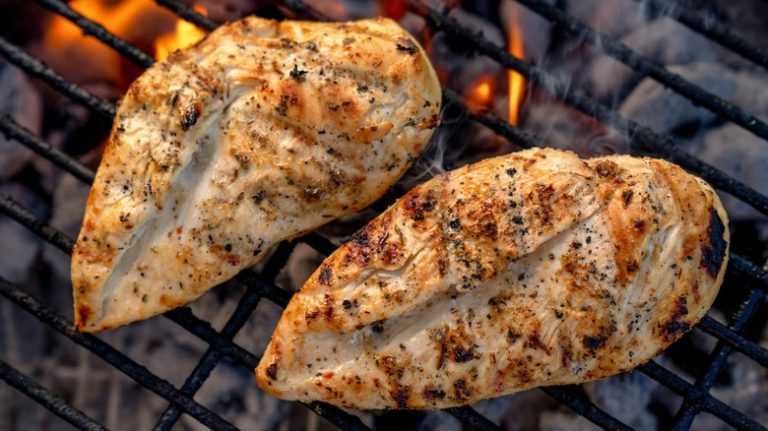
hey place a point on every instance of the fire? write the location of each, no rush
(186, 34)
(516, 81)
(479, 96)
(115, 17)
(86, 60)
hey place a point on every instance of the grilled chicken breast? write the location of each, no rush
(261, 132)
(531, 269)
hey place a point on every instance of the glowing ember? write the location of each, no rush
(186, 34)
(516, 80)
(394, 9)
(479, 96)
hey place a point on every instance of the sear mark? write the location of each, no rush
(713, 253)
(607, 169)
(460, 390)
(430, 393)
(401, 395)
(325, 276)
(407, 46)
(627, 197)
(594, 343)
(674, 327)
(272, 371)
(461, 354)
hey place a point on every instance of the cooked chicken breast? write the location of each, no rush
(261, 132)
(532, 269)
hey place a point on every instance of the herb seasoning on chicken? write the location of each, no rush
(261, 132)
(532, 269)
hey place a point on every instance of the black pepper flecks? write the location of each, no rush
(377, 327)
(189, 116)
(297, 74)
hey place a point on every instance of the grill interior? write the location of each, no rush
(261, 285)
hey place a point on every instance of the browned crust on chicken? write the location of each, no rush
(536, 268)
(259, 133)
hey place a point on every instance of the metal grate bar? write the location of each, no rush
(472, 418)
(319, 243)
(642, 139)
(747, 267)
(95, 29)
(581, 405)
(202, 329)
(658, 72)
(47, 399)
(236, 321)
(114, 357)
(502, 127)
(337, 416)
(738, 342)
(709, 403)
(13, 130)
(689, 410)
(184, 11)
(254, 280)
(25, 217)
(709, 28)
(38, 69)
(305, 11)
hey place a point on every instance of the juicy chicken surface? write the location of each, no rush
(261, 132)
(531, 269)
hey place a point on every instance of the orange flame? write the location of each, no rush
(114, 17)
(516, 81)
(186, 34)
(120, 18)
(479, 96)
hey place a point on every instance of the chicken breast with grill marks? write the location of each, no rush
(261, 132)
(532, 269)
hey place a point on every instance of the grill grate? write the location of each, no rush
(643, 141)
